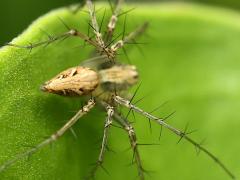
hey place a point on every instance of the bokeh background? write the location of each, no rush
(190, 59)
(16, 15)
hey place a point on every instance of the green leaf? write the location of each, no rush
(191, 59)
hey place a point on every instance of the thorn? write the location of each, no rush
(139, 100)
(102, 20)
(150, 125)
(91, 26)
(128, 113)
(161, 105)
(135, 92)
(66, 26)
(125, 53)
(145, 144)
(104, 169)
(113, 40)
(193, 131)
(124, 27)
(45, 32)
(63, 39)
(197, 146)
(73, 133)
(160, 134)
(110, 150)
(125, 12)
(183, 133)
(167, 117)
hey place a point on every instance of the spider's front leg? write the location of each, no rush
(51, 39)
(84, 110)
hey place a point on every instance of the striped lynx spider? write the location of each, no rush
(104, 80)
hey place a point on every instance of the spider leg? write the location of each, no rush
(84, 110)
(113, 20)
(51, 39)
(130, 37)
(108, 122)
(181, 134)
(133, 141)
(94, 23)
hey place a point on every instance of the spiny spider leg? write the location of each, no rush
(84, 110)
(181, 134)
(133, 141)
(108, 123)
(113, 20)
(130, 37)
(71, 32)
(95, 26)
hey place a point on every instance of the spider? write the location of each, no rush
(104, 80)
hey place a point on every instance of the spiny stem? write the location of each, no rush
(84, 110)
(182, 134)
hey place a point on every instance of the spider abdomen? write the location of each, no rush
(74, 81)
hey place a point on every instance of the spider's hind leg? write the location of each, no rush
(133, 141)
(107, 125)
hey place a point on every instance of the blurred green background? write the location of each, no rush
(16, 15)
(191, 59)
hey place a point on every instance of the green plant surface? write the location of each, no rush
(190, 59)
